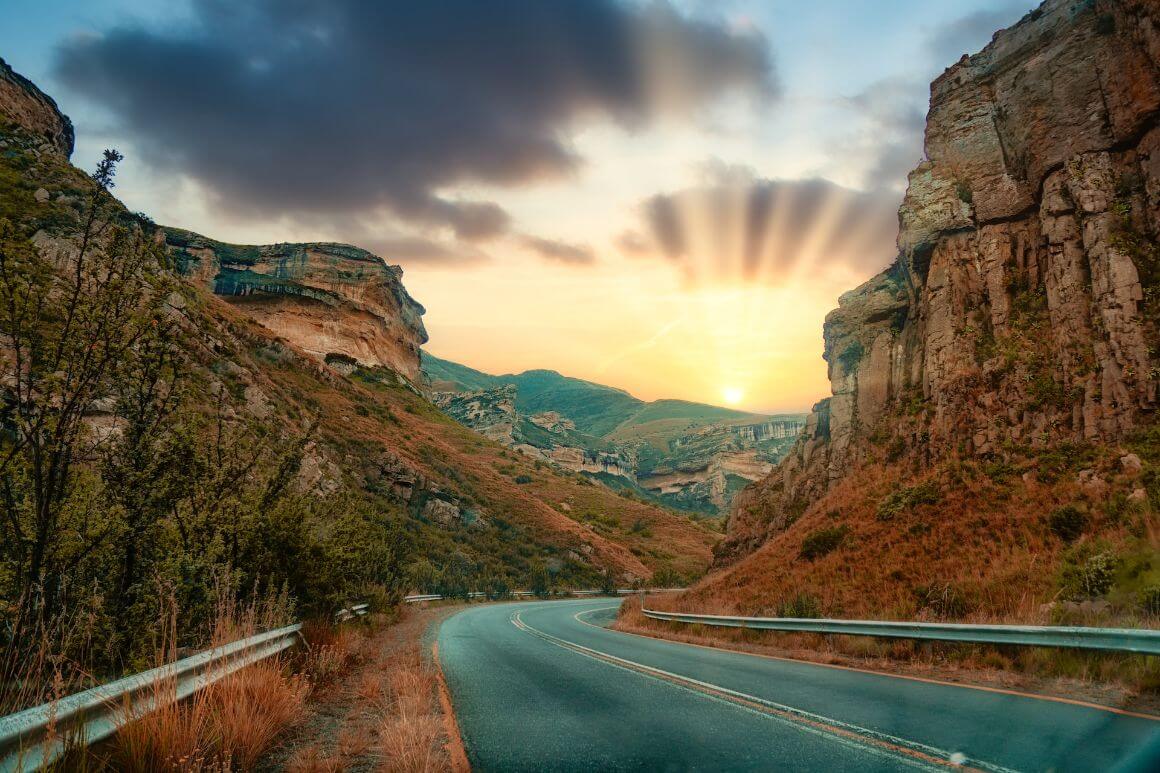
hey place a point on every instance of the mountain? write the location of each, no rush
(990, 445)
(686, 455)
(318, 344)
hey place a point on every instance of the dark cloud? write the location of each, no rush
(561, 252)
(968, 34)
(285, 106)
(755, 229)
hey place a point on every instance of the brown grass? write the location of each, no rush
(228, 725)
(411, 729)
(387, 707)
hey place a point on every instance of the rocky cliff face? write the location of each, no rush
(1022, 310)
(22, 103)
(336, 302)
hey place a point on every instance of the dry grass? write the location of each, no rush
(386, 705)
(228, 725)
(411, 729)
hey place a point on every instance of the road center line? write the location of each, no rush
(864, 739)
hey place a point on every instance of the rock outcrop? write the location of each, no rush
(338, 303)
(1022, 310)
(25, 105)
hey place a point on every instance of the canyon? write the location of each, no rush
(320, 342)
(688, 456)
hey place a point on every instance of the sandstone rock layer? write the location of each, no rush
(1022, 310)
(337, 303)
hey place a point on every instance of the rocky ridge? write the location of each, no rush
(1022, 310)
(25, 105)
(338, 303)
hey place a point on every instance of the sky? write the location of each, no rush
(666, 196)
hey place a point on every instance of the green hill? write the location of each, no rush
(596, 409)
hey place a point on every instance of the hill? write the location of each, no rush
(689, 456)
(174, 423)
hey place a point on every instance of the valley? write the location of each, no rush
(687, 456)
(251, 521)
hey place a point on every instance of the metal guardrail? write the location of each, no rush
(421, 597)
(39, 736)
(358, 610)
(1138, 640)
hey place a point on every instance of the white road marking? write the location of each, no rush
(690, 684)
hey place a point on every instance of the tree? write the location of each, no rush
(70, 321)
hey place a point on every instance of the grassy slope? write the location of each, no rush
(362, 420)
(453, 377)
(360, 423)
(982, 548)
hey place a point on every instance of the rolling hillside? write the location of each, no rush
(689, 456)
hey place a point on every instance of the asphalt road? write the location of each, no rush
(544, 686)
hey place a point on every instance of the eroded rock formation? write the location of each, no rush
(1022, 310)
(336, 302)
(22, 103)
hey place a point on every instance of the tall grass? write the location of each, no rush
(228, 725)
(411, 728)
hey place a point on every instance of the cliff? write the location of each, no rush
(337, 303)
(1021, 313)
(25, 105)
(369, 445)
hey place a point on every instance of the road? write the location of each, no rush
(545, 686)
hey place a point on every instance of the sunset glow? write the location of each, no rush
(674, 217)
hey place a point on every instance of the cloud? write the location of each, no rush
(889, 133)
(416, 250)
(560, 252)
(632, 243)
(750, 229)
(287, 106)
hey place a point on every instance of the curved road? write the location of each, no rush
(544, 686)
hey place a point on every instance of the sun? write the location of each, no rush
(732, 395)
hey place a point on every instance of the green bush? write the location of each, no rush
(925, 493)
(1150, 599)
(801, 605)
(523, 479)
(822, 542)
(1067, 523)
(1090, 579)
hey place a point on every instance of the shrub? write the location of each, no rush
(523, 479)
(1150, 599)
(822, 542)
(963, 191)
(943, 599)
(801, 605)
(925, 493)
(1092, 578)
(1067, 523)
